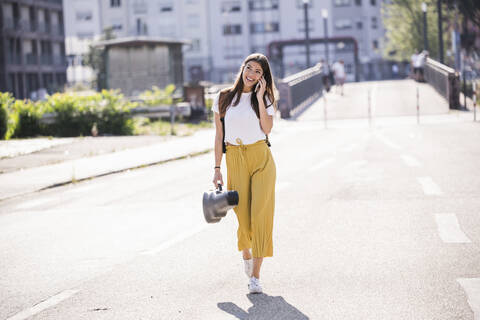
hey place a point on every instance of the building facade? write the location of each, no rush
(223, 32)
(32, 47)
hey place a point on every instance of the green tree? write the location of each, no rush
(95, 58)
(403, 20)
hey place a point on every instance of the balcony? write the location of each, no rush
(31, 59)
(56, 30)
(15, 59)
(43, 27)
(59, 60)
(8, 24)
(46, 59)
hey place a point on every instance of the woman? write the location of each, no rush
(248, 109)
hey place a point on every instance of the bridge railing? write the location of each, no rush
(445, 80)
(299, 90)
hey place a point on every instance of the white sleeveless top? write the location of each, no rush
(241, 121)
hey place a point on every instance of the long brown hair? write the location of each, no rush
(227, 95)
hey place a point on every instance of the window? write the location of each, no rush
(195, 46)
(231, 6)
(359, 25)
(341, 3)
(117, 27)
(301, 25)
(300, 4)
(373, 2)
(375, 44)
(115, 3)
(232, 29)
(374, 22)
(260, 49)
(358, 2)
(85, 35)
(166, 6)
(263, 4)
(342, 24)
(264, 27)
(83, 15)
(348, 68)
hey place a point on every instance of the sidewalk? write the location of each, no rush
(42, 163)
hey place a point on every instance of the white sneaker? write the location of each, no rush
(248, 267)
(254, 285)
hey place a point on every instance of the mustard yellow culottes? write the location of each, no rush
(251, 172)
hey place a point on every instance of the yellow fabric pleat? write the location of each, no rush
(251, 172)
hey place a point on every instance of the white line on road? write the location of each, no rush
(449, 229)
(430, 188)
(410, 161)
(175, 240)
(44, 305)
(321, 164)
(472, 289)
(388, 142)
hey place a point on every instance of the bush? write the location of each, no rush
(28, 115)
(158, 96)
(8, 118)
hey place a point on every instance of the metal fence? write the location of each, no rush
(299, 90)
(445, 80)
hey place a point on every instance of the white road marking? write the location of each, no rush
(175, 240)
(430, 188)
(388, 142)
(44, 305)
(282, 185)
(449, 229)
(410, 161)
(472, 289)
(34, 203)
(321, 164)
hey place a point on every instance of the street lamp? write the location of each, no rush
(307, 38)
(325, 32)
(440, 30)
(425, 40)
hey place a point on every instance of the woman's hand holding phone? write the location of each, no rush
(260, 87)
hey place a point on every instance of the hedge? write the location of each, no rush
(74, 115)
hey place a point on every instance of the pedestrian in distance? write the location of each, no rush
(339, 72)
(414, 65)
(245, 112)
(325, 75)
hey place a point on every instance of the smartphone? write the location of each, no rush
(258, 84)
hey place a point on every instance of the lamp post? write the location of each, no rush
(325, 32)
(307, 38)
(440, 30)
(425, 40)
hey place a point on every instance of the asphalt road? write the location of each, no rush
(370, 223)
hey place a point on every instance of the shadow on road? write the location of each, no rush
(264, 307)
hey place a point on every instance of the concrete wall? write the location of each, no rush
(135, 69)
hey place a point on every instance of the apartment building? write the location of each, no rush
(223, 32)
(32, 47)
(362, 20)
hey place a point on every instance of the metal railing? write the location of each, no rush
(299, 90)
(445, 80)
(31, 59)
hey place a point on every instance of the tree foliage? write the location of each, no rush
(403, 20)
(95, 58)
